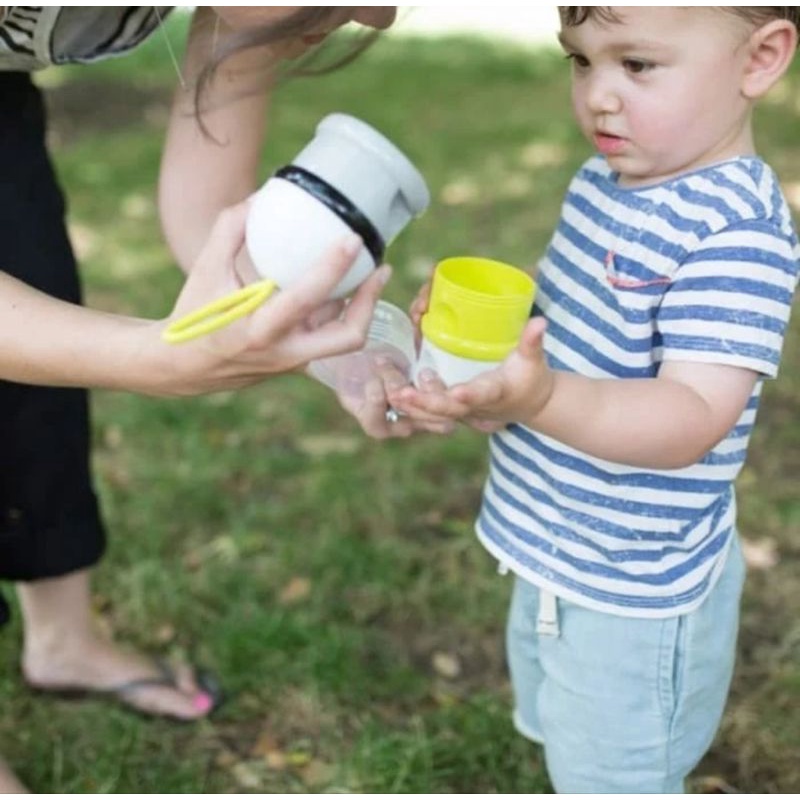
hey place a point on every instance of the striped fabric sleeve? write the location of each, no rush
(729, 301)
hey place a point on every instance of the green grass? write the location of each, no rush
(325, 576)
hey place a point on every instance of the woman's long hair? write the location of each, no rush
(303, 21)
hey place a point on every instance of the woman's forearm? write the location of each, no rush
(203, 172)
(50, 342)
(46, 341)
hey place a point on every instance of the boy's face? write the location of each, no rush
(658, 92)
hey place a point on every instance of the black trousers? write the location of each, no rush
(49, 519)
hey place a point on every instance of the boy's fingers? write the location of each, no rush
(477, 393)
(485, 425)
(430, 381)
(420, 304)
(431, 406)
(530, 343)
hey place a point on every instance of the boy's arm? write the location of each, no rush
(666, 422)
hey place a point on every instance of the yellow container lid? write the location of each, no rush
(478, 307)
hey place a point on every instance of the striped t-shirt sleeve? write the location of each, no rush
(729, 301)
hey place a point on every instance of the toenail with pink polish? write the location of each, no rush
(202, 702)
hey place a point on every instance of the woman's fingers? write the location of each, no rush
(370, 408)
(361, 307)
(227, 234)
(327, 312)
(212, 274)
(372, 414)
(296, 303)
(296, 325)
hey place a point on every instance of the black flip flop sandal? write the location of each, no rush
(124, 692)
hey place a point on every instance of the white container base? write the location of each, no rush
(450, 368)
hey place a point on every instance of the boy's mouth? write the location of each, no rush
(608, 144)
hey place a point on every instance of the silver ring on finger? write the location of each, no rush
(392, 415)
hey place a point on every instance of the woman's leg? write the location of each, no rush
(62, 649)
(9, 783)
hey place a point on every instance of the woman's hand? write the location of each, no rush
(376, 416)
(295, 326)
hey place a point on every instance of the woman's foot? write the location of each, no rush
(63, 652)
(95, 665)
(9, 783)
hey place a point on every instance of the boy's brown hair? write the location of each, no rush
(571, 16)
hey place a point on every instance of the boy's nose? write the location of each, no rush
(378, 17)
(602, 97)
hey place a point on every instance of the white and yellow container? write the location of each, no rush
(477, 311)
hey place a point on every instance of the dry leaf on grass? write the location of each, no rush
(268, 749)
(317, 773)
(714, 784)
(459, 192)
(297, 590)
(760, 553)
(247, 775)
(329, 444)
(112, 437)
(792, 192)
(447, 665)
(165, 633)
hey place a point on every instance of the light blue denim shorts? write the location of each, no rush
(622, 704)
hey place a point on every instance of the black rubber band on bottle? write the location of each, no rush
(339, 204)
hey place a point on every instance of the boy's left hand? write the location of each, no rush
(516, 391)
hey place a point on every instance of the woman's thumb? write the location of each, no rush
(227, 234)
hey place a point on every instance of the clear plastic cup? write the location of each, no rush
(390, 337)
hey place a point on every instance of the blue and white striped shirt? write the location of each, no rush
(703, 268)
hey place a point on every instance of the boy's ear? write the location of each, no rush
(770, 51)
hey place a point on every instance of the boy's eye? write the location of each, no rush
(578, 60)
(636, 66)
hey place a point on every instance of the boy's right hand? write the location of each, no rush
(515, 391)
(418, 308)
(420, 304)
